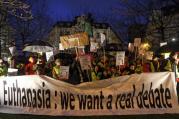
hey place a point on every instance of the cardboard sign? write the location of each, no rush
(120, 57)
(94, 47)
(64, 72)
(85, 62)
(61, 46)
(74, 40)
(137, 42)
(103, 38)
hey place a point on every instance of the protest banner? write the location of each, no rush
(85, 62)
(120, 57)
(147, 93)
(74, 40)
(64, 72)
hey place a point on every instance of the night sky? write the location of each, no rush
(102, 11)
(68, 9)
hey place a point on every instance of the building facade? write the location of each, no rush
(78, 25)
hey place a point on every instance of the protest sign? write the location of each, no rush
(12, 50)
(64, 72)
(131, 47)
(61, 46)
(49, 56)
(94, 47)
(85, 62)
(137, 42)
(74, 40)
(120, 57)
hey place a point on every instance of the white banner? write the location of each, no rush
(152, 93)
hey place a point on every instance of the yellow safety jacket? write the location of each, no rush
(56, 71)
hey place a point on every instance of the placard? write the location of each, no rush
(120, 57)
(85, 62)
(64, 72)
(137, 42)
(74, 40)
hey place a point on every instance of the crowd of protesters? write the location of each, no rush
(102, 67)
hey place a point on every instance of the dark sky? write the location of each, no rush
(103, 11)
(68, 9)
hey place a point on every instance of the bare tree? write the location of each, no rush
(144, 12)
(33, 29)
(11, 8)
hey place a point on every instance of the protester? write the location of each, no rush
(102, 67)
(174, 62)
(138, 66)
(156, 63)
(56, 71)
(30, 68)
(3, 68)
(96, 73)
(114, 72)
(105, 75)
(148, 66)
(163, 64)
(40, 66)
(131, 69)
(21, 69)
(75, 72)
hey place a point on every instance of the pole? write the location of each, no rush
(79, 68)
(104, 55)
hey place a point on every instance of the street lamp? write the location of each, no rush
(173, 39)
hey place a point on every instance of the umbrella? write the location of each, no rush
(38, 46)
(173, 46)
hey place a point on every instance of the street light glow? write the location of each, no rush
(173, 39)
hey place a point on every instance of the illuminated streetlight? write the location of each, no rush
(173, 39)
